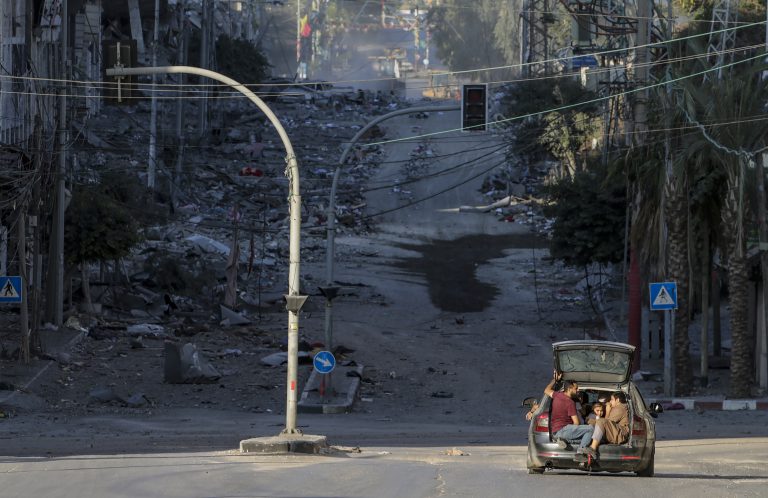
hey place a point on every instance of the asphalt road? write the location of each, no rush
(689, 468)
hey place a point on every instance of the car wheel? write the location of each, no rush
(648, 470)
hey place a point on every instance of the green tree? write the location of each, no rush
(588, 211)
(566, 134)
(466, 35)
(238, 59)
(97, 228)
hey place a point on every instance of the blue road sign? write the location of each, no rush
(663, 296)
(10, 289)
(324, 362)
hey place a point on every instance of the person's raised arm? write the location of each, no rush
(549, 390)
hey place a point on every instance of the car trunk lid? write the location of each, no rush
(594, 361)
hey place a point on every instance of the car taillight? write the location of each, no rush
(638, 426)
(542, 423)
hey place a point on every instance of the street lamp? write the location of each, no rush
(293, 299)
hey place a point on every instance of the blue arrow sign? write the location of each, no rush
(663, 296)
(10, 289)
(324, 362)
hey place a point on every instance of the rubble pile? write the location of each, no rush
(158, 316)
(232, 194)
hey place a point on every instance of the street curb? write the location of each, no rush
(310, 401)
(721, 405)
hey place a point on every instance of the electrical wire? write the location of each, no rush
(578, 104)
(447, 73)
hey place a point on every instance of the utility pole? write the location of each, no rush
(55, 306)
(640, 126)
(298, 32)
(152, 166)
(22, 252)
(205, 41)
(416, 40)
(762, 321)
(182, 60)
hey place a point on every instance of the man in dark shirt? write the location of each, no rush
(563, 420)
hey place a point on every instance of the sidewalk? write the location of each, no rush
(650, 375)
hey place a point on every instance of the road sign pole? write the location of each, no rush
(669, 373)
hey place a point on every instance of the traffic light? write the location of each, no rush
(474, 107)
(120, 88)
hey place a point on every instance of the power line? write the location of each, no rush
(578, 104)
(447, 73)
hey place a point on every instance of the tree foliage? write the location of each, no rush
(566, 133)
(98, 227)
(476, 35)
(589, 212)
(238, 59)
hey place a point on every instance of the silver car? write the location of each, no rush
(599, 368)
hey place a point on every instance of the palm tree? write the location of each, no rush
(733, 148)
(660, 225)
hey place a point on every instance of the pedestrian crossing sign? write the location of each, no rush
(10, 289)
(663, 296)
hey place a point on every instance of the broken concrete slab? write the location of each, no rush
(148, 329)
(232, 317)
(208, 244)
(185, 365)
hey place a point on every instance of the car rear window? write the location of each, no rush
(599, 361)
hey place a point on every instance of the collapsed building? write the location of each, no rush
(213, 228)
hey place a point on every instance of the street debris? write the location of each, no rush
(456, 452)
(185, 365)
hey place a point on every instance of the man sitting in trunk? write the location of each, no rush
(614, 427)
(564, 420)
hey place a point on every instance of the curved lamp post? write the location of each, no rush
(293, 299)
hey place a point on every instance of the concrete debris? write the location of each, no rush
(209, 245)
(275, 359)
(185, 365)
(103, 395)
(137, 342)
(108, 395)
(230, 317)
(281, 358)
(74, 323)
(150, 329)
(456, 452)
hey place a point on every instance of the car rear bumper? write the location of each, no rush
(612, 458)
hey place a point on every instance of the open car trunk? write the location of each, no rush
(594, 361)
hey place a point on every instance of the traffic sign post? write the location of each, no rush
(10, 290)
(664, 298)
(324, 362)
